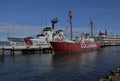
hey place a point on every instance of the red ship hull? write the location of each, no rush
(74, 47)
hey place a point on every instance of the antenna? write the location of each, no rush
(41, 21)
(54, 21)
(46, 20)
(106, 32)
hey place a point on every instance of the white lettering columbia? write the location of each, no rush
(89, 45)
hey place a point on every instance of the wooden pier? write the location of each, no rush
(26, 49)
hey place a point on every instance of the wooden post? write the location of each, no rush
(13, 50)
(2, 51)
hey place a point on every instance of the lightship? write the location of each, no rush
(81, 43)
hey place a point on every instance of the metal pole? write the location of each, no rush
(70, 16)
(91, 26)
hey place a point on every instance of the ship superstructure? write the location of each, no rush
(109, 40)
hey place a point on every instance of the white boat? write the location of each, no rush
(40, 39)
(16, 41)
(109, 40)
(48, 34)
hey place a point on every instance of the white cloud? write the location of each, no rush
(17, 30)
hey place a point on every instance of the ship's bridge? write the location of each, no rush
(47, 29)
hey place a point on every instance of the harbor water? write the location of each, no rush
(87, 66)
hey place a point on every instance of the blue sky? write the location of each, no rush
(27, 17)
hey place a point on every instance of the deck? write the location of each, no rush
(26, 49)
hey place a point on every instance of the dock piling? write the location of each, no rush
(13, 50)
(2, 51)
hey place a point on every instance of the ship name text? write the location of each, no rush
(88, 45)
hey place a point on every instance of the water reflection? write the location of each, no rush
(86, 66)
(82, 58)
(1, 58)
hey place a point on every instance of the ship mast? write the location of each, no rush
(91, 27)
(70, 18)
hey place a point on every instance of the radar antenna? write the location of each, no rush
(54, 21)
